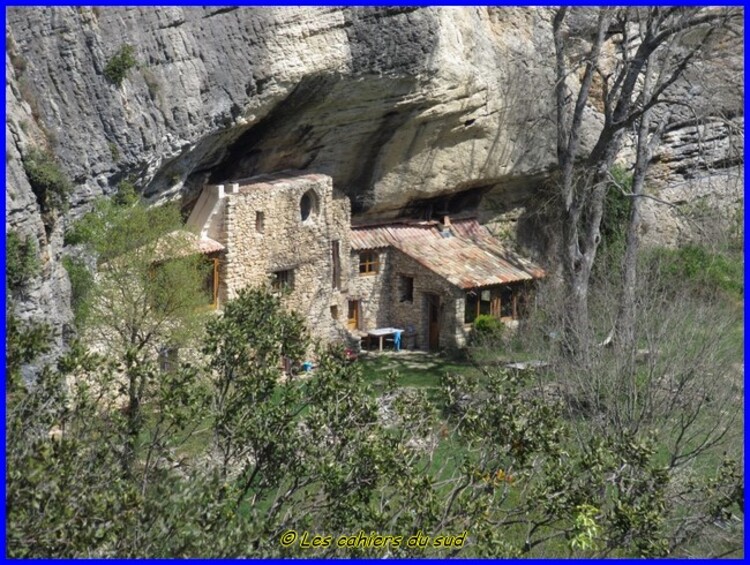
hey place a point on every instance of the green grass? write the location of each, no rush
(413, 370)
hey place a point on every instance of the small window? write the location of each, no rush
(470, 310)
(336, 264)
(369, 262)
(335, 312)
(507, 303)
(282, 280)
(308, 205)
(406, 289)
(477, 302)
(259, 221)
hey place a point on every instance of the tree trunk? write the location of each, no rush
(132, 413)
(627, 315)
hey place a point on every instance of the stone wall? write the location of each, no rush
(286, 242)
(372, 290)
(404, 314)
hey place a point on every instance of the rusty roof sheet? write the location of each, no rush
(470, 258)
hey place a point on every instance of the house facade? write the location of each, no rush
(293, 232)
(288, 232)
(434, 278)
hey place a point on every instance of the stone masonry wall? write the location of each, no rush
(372, 290)
(414, 313)
(285, 242)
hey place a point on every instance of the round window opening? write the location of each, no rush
(307, 205)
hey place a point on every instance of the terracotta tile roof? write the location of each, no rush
(391, 235)
(471, 257)
(179, 243)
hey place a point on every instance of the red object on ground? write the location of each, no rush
(350, 354)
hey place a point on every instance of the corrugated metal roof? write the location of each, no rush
(470, 258)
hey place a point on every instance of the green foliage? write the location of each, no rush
(67, 491)
(706, 271)
(126, 194)
(150, 281)
(147, 294)
(586, 529)
(123, 224)
(50, 185)
(81, 282)
(119, 64)
(230, 453)
(488, 336)
(24, 342)
(486, 324)
(21, 260)
(114, 151)
(617, 210)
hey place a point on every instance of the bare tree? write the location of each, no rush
(636, 56)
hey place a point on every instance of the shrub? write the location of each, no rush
(22, 260)
(126, 194)
(50, 185)
(617, 209)
(118, 66)
(114, 151)
(486, 324)
(81, 282)
(706, 271)
(488, 333)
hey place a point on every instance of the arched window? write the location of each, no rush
(308, 205)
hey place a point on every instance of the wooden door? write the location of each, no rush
(433, 321)
(352, 321)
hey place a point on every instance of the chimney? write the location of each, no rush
(445, 228)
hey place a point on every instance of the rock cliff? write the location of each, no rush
(403, 107)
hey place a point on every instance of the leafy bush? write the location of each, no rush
(617, 209)
(118, 66)
(81, 282)
(22, 260)
(486, 324)
(487, 334)
(49, 184)
(707, 271)
(114, 151)
(126, 194)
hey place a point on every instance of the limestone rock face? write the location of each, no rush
(698, 181)
(398, 105)
(394, 104)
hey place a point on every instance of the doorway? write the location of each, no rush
(432, 307)
(352, 319)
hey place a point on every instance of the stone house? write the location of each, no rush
(287, 231)
(293, 231)
(433, 279)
